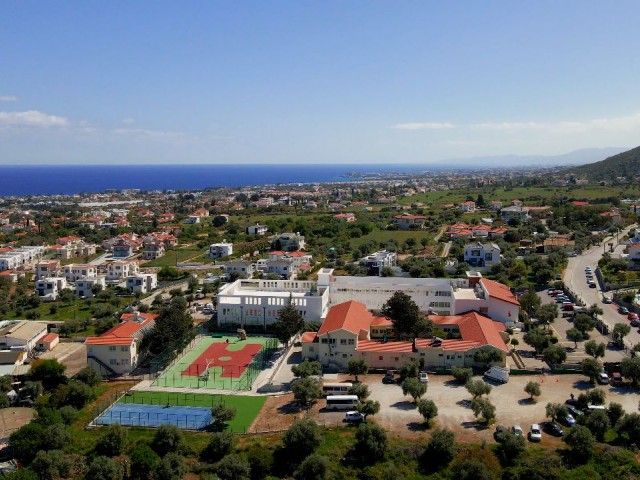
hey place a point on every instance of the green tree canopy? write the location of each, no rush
(403, 313)
(356, 367)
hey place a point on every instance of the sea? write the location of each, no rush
(20, 180)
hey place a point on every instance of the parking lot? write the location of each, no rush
(399, 415)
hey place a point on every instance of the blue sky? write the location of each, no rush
(314, 82)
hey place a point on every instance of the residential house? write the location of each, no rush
(119, 270)
(288, 242)
(257, 229)
(122, 249)
(496, 205)
(117, 351)
(50, 287)
(47, 268)
(377, 261)
(142, 282)
(220, 250)
(407, 221)
(480, 231)
(468, 206)
(75, 272)
(243, 268)
(192, 219)
(85, 286)
(634, 256)
(482, 256)
(516, 212)
(152, 248)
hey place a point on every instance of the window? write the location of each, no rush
(422, 354)
(112, 348)
(311, 349)
(332, 341)
(343, 341)
(380, 358)
(397, 359)
(344, 355)
(125, 361)
(124, 349)
(323, 340)
(352, 341)
(113, 361)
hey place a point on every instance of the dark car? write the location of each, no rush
(623, 310)
(575, 411)
(553, 429)
(499, 433)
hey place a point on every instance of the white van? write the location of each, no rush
(498, 373)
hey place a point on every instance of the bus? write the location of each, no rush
(342, 402)
(333, 388)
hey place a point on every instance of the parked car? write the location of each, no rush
(616, 379)
(424, 377)
(535, 434)
(517, 430)
(389, 377)
(353, 416)
(499, 433)
(603, 379)
(574, 411)
(632, 316)
(567, 419)
(623, 310)
(592, 284)
(607, 300)
(553, 429)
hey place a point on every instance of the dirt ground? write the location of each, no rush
(400, 417)
(12, 419)
(71, 354)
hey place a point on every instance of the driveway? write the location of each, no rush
(399, 415)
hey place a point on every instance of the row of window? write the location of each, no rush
(113, 348)
(440, 304)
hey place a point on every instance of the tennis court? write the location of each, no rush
(140, 415)
(220, 362)
(247, 407)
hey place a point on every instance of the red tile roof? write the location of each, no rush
(351, 316)
(474, 327)
(381, 322)
(392, 347)
(499, 291)
(122, 334)
(308, 337)
(49, 338)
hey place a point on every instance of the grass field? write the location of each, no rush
(174, 256)
(242, 376)
(247, 408)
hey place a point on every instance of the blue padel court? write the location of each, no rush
(138, 415)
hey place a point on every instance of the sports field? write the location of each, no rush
(220, 362)
(247, 408)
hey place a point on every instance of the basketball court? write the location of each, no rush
(220, 362)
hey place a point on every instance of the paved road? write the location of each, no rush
(575, 279)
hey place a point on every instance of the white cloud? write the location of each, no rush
(8, 98)
(148, 134)
(614, 124)
(32, 118)
(423, 126)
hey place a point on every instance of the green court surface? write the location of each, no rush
(247, 408)
(221, 363)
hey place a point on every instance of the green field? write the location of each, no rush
(172, 257)
(247, 408)
(173, 377)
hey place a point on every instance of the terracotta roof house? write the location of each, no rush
(116, 351)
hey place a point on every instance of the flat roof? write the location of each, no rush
(465, 294)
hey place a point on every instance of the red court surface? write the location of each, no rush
(233, 363)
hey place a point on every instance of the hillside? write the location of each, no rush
(625, 164)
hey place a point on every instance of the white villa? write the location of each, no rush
(142, 282)
(219, 250)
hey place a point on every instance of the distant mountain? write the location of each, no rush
(577, 157)
(625, 164)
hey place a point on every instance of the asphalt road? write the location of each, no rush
(576, 280)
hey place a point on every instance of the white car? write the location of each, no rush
(353, 416)
(517, 430)
(535, 434)
(424, 378)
